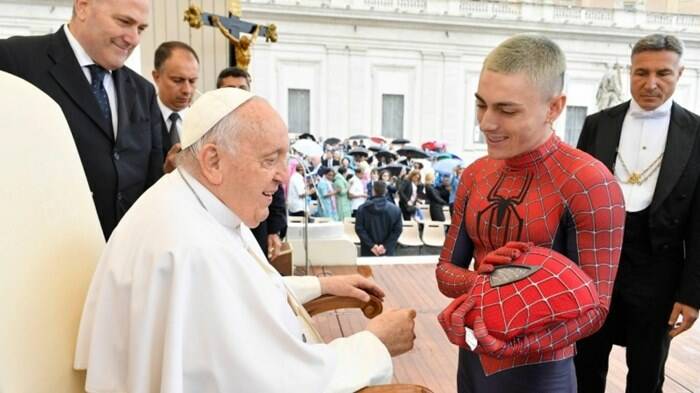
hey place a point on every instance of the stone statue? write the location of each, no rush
(610, 88)
(243, 46)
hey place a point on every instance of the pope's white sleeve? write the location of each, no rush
(362, 360)
(305, 288)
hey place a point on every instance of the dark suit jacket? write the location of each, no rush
(674, 213)
(165, 138)
(117, 173)
(276, 221)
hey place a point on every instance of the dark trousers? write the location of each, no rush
(550, 377)
(642, 326)
(641, 304)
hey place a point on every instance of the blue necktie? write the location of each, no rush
(97, 74)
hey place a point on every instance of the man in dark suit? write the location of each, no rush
(175, 73)
(378, 224)
(112, 111)
(652, 145)
(270, 232)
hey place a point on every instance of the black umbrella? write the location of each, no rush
(359, 136)
(412, 152)
(394, 169)
(375, 148)
(385, 153)
(359, 151)
(400, 141)
(306, 135)
(331, 141)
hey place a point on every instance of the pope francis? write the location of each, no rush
(183, 299)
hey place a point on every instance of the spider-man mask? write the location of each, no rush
(554, 290)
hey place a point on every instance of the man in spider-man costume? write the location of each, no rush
(532, 187)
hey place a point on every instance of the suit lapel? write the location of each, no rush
(66, 71)
(125, 88)
(679, 144)
(609, 135)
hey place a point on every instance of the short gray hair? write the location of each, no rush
(659, 42)
(224, 134)
(542, 61)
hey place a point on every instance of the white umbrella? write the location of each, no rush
(308, 148)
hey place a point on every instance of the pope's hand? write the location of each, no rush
(395, 329)
(352, 285)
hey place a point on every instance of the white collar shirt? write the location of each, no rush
(642, 141)
(84, 60)
(166, 112)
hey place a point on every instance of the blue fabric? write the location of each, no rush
(551, 377)
(97, 74)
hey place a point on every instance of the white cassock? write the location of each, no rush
(181, 302)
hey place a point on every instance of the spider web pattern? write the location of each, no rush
(564, 181)
(557, 292)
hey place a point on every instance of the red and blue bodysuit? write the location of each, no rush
(555, 197)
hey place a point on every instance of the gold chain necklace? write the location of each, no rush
(639, 178)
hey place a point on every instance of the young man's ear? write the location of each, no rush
(556, 107)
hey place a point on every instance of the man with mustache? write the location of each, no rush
(652, 146)
(111, 110)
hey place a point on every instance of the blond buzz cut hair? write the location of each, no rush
(535, 55)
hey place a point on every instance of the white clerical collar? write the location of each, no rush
(638, 112)
(211, 203)
(83, 58)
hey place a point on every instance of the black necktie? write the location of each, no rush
(97, 74)
(174, 137)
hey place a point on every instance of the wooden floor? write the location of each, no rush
(433, 361)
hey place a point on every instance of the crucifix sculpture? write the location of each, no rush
(240, 48)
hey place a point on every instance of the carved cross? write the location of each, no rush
(234, 25)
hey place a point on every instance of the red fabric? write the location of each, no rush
(528, 198)
(557, 292)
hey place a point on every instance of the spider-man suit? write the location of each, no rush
(555, 197)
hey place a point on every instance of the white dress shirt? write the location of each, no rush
(166, 112)
(642, 140)
(84, 60)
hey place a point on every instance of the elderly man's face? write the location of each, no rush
(512, 113)
(654, 77)
(254, 172)
(109, 30)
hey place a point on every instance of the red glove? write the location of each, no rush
(489, 344)
(503, 256)
(452, 319)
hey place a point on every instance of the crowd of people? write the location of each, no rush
(340, 181)
(184, 300)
